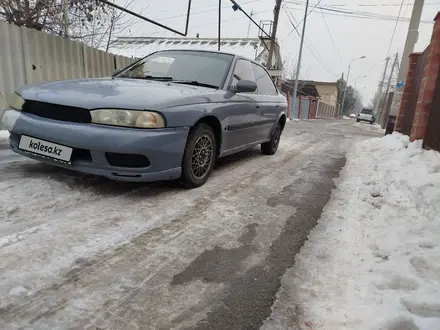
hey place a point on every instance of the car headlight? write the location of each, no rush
(15, 101)
(128, 118)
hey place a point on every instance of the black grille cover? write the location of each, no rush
(57, 112)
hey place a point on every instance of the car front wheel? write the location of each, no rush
(271, 147)
(199, 157)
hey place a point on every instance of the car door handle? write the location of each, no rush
(278, 105)
(258, 106)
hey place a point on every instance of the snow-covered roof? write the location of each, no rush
(138, 47)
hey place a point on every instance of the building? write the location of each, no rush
(253, 48)
(325, 93)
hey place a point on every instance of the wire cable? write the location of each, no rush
(331, 37)
(295, 27)
(395, 27)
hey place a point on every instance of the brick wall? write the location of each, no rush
(408, 89)
(429, 80)
(418, 92)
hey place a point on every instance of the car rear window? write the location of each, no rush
(367, 111)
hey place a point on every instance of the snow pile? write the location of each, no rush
(4, 135)
(373, 260)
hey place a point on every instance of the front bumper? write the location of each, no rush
(92, 143)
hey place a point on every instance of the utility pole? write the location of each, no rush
(66, 18)
(298, 65)
(411, 39)
(346, 87)
(342, 85)
(396, 59)
(379, 89)
(276, 14)
(219, 24)
(249, 26)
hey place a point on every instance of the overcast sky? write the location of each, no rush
(332, 39)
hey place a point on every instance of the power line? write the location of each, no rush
(356, 14)
(382, 4)
(295, 27)
(395, 27)
(309, 47)
(373, 5)
(231, 19)
(330, 35)
(205, 11)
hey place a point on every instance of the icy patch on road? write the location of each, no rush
(373, 261)
(369, 127)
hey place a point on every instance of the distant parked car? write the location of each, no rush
(169, 115)
(366, 115)
(353, 115)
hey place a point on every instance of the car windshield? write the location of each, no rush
(195, 67)
(367, 111)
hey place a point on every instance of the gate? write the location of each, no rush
(294, 107)
(313, 108)
(305, 105)
(414, 94)
(432, 136)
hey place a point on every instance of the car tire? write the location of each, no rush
(271, 147)
(357, 120)
(196, 168)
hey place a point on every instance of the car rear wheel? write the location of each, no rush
(271, 147)
(357, 120)
(199, 157)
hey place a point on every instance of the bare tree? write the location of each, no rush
(88, 21)
(51, 16)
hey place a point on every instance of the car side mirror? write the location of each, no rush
(246, 86)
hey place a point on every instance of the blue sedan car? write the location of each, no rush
(167, 116)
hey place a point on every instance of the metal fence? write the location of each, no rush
(29, 56)
(326, 110)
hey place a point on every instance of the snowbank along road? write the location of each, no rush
(81, 252)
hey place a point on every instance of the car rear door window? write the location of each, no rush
(264, 81)
(243, 70)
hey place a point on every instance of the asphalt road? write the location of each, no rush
(81, 252)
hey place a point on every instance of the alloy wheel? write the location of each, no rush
(201, 158)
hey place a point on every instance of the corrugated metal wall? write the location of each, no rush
(326, 111)
(28, 56)
(12, 71)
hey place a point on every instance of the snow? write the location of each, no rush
(373, 260)
(4, 135)
(248, 48)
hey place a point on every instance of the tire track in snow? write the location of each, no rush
(217, 183)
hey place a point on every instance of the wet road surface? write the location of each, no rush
(81, 252)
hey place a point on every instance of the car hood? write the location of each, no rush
(116, 93)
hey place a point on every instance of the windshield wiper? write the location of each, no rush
(194, 83)
(160, 78)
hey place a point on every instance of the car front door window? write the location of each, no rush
(243, 71)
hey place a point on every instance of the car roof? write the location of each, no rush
(203, 51)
